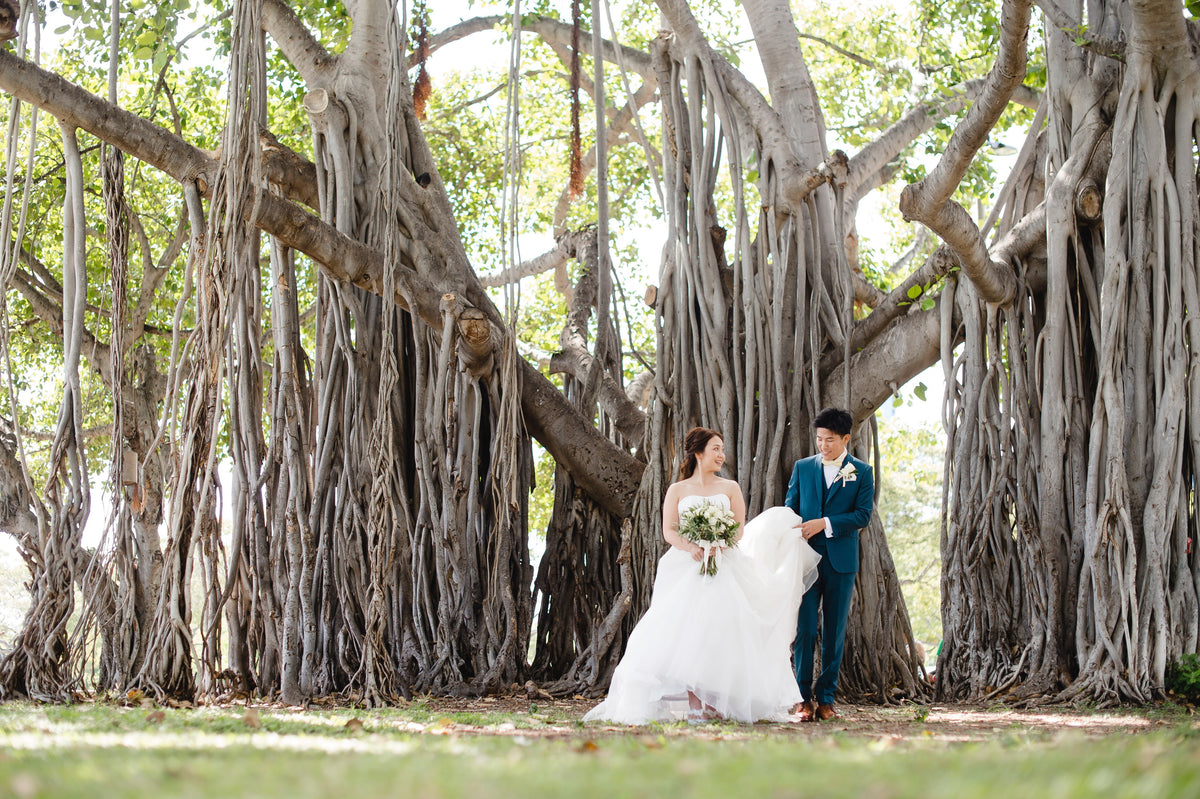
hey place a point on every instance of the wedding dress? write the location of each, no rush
(725, 638)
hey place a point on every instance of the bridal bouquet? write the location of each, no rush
(712, 526)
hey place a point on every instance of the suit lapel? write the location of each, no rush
(837, 481)
(833, 487)
(819, 472)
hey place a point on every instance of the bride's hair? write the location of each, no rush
(693, 444)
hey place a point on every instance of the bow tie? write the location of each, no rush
(836, 462)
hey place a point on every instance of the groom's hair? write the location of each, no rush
(835, 419)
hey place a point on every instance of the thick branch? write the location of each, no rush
(776, 143)
(1160, 34)
(1018, 242)
(905, 350)
(552, 31)
(900, 301)
(298, 44)
(570, 439)
(295, 175)
(1074, 30)
(576, 360)
(873, 157)
(929, 201)
(565, 248)
(793, 95)
(866, 292)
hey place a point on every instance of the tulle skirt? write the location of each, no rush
(725, 638)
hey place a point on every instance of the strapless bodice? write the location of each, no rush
(692, 500)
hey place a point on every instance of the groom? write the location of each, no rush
(833, 493)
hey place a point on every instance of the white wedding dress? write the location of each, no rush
(725, 638)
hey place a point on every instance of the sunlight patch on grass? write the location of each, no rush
(198, 741)
(437, 753)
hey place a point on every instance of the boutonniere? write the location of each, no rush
(848, 474)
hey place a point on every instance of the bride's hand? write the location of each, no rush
(698, 553)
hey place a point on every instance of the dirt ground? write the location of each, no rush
(556, 717)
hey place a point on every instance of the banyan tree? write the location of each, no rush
(317, 410)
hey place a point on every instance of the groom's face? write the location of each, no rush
(830, 444)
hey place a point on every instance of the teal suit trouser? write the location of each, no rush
(830, 595)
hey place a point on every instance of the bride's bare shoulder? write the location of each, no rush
(674, 490)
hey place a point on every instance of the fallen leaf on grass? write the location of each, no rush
(588, 746)
(251, 718)
(354, 725)
(442, 726)
(155, 717)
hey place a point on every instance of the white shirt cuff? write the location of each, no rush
(828, 528)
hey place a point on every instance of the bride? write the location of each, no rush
(715, 646)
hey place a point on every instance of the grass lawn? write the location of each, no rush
(507, 747)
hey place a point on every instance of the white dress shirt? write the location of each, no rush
(831, 472)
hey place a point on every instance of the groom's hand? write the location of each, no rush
(812, 527)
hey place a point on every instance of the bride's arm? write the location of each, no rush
(670, 525)
(738, 503)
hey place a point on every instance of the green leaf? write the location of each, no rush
(147, 38)
(897, 401)
(920, 390)
(927, 304)
(143, 53)
(61, 29)
(915, 291)
(160, 59)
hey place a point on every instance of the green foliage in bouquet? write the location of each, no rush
(710, 525)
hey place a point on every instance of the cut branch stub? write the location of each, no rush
(475, 333)
(316, 101)
(1089, 201)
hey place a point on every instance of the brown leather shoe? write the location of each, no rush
(805, 710)
(826, 712)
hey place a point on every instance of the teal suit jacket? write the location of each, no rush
(847, 504)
